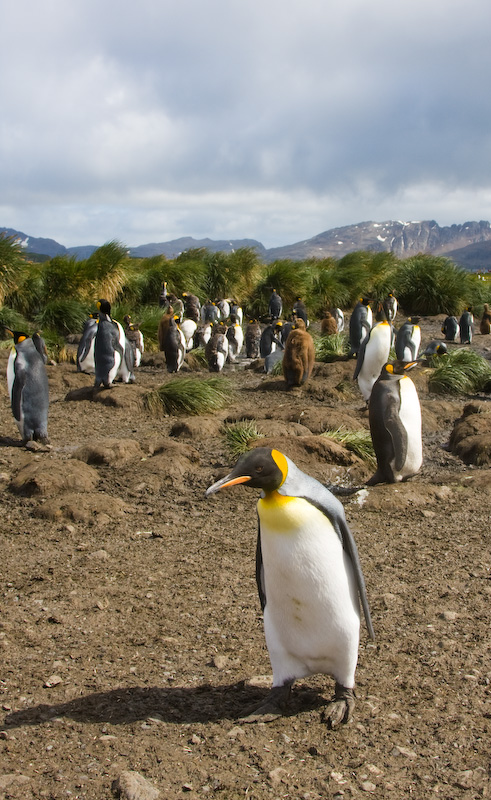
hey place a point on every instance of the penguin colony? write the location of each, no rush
(309, 578)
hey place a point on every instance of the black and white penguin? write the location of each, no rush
(174, 346)
(270, 340)
(434, 348)
(209, 312)
(40, 346)
(188, 328)
(359, 325)
(309, 579)
(134, 337)
(27, 383)
(339, 317)
(408, 340)
(224, 308)
(236, 313)
(216, 350)
(275, 306)
(451, 329)
(390, 307)
(300, 311)
(373, 353)
(108, 351)
(394, 414)
(466, 325)
(235, 338)
(85, 350)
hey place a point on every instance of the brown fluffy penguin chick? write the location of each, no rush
(299, 355)
(485, 326)
(164, 326)
(329, 326)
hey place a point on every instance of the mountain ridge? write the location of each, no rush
(468, 244)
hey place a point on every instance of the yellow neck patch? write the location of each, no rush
(281, 463)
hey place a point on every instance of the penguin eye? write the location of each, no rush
(259, 469)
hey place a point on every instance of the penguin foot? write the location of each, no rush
(341, 707)
(273, 707)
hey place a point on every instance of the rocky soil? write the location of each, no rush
(131, 634)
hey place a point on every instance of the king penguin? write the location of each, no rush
(309, 580)
(359, 325)
(394, 414)
(27, 383)
(85, 350)
(108, 351)
(408, 340)
(373, 353)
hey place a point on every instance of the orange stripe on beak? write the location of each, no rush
(235, 481)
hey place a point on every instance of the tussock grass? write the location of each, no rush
(239, 435)
(359, 442)
(196, 359)
(193, 396)
(64, 316)
(13, 320)
(460, 372)
(331, 348)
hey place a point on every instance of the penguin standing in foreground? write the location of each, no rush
(108, 351)
(27, 383)
(408, 340)
(309, 578)
(372, 355)
(394, 414)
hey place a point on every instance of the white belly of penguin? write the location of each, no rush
(311, 618)
(410, 416)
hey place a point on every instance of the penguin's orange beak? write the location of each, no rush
(225, 482)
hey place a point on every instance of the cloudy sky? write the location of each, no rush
(272, 120)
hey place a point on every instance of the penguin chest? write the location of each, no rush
(309, 584)
(376, 354)
(410, 417)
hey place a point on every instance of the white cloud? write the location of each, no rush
(187, 118)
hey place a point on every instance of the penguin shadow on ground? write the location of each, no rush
(7, 441)
(204, 703)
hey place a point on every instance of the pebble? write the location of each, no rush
(133, 786)
(276, 775)
(53, 680)
(368, 786)
(220, 662)
(449, 616)
(404, 751)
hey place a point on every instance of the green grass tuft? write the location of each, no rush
(331, 348)
(460, 372)
(193, 396)
(239, 435)
(196, 359)
(359, 442)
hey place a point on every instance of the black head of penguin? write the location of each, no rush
(104, 306)
(395, 369)
(261, 468)
(18, 336)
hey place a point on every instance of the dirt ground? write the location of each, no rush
(131, 634)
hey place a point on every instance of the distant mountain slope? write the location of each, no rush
(402, 238)
(474, 257)
(176, 246)
(467, 244)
